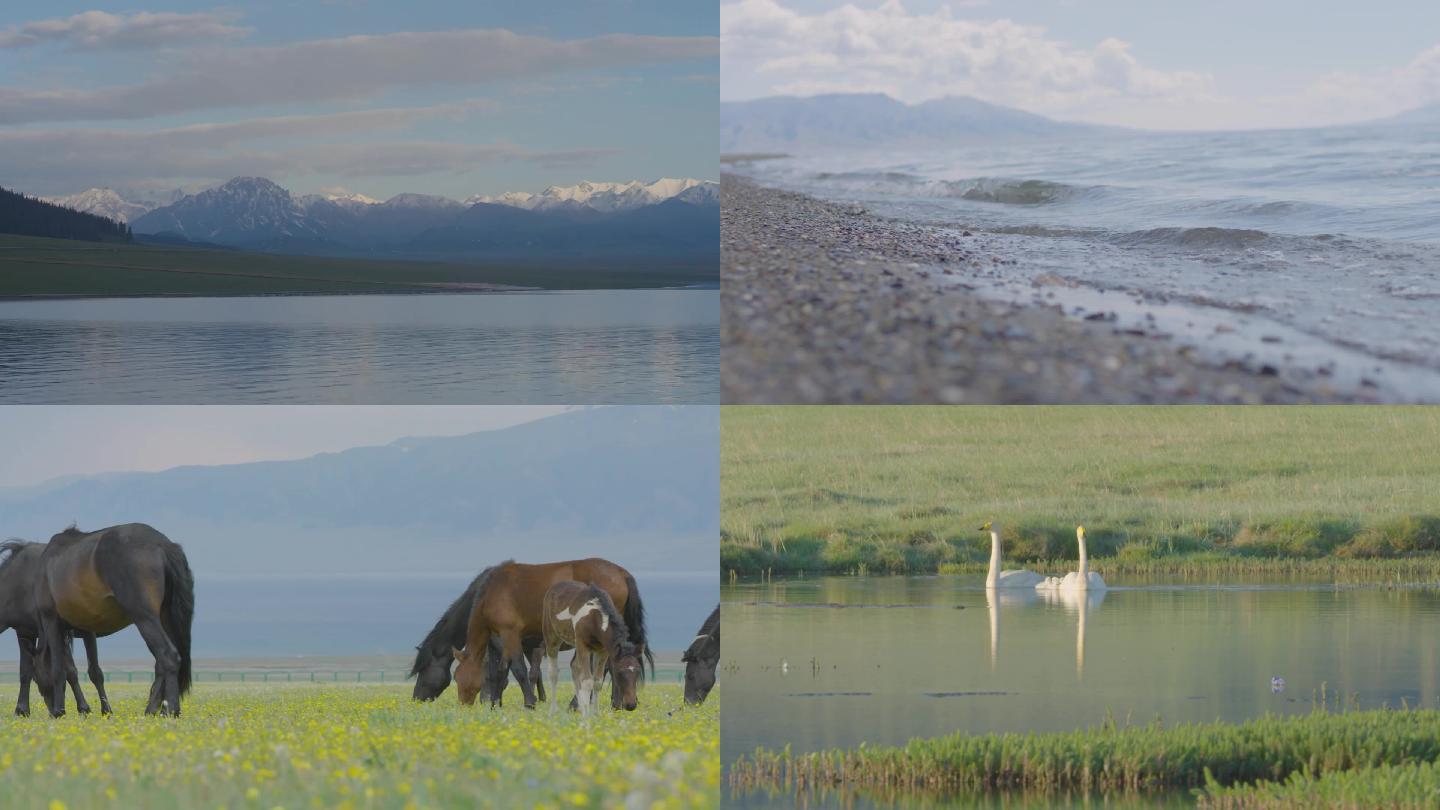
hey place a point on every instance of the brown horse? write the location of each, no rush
(102, 582)
(509, 604)
(584, 617)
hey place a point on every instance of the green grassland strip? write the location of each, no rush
(903, 490)
(442, 285)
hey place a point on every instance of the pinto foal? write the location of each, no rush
(583, 616)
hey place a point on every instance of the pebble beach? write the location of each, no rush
(827, 303)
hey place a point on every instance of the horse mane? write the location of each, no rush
(453, 622)
(72, 531)
(620, 633)
(12, 548)
(704, 637)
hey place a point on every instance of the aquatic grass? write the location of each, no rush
(1391, 787)
(1109, 759)
(902, 490)
(360, 746)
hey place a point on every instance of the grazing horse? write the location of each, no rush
(584, 617)
(433, 656)
(508, 604)
(701, 658)
(101, 582)
(17, 611)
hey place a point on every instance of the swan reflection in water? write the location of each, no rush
(1079, 602)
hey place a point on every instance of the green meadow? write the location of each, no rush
(1349, 494)
(37, 267)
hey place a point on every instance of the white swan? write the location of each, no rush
(1081, 580)
(996, 578)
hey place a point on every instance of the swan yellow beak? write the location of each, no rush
(1080, 530)
(985, 528)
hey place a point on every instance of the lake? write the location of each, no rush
(593, 347)
(834, 662)
(369, 615)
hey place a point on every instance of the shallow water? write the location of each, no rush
(836, 662)
(283, 616)
(599, 347)
(1324, 241)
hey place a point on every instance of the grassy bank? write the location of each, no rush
(57, 267)
(1113, 760)
(1159, 490)
(360, 747)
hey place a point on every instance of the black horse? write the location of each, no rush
(701, 658)
(101, 582)
(18, 573)
(434, 655)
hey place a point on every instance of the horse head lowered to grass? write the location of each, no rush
(701, 658)
(433, 659)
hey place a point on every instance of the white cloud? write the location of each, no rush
(98, 30)
(769, 49)
(348, 68)
(1352, 96)
(54, 161)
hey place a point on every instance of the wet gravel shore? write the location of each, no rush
(825, 303)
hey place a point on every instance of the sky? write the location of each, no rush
(1181, 64)
(371, 96)
(43, 442)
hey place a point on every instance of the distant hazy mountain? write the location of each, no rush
(873, 119)
(672, 227)
(635, 483)
(1429, 114)
(610, 219)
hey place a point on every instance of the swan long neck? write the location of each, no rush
(1084, 560)
(992, 603)
(992, 579)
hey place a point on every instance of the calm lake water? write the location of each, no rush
(596, 347)
(277, 617)
(926, 656)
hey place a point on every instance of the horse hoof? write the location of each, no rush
(83, 709)
(22, 712)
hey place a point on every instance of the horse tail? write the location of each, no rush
(178, 607)
(635, 620)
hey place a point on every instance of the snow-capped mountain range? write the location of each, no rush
(105, 202)
(665, 217)
(604, 197)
